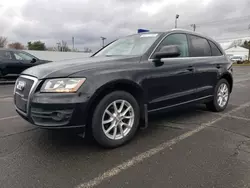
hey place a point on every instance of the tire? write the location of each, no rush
(214, 104)
(100, 115)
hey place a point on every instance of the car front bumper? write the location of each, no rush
(55, 114)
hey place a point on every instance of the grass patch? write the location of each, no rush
(244, 63)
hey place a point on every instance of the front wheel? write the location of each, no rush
(221, 96)
(115, 119)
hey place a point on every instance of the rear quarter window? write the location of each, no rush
(215, 50)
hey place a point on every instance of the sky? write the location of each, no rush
(51, 21)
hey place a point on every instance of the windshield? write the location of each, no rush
(23, 56)
(129, 46)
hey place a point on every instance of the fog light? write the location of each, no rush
(58, 116)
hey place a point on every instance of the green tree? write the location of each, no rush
(37, 45)
(246, 44)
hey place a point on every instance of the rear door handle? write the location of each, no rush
(190, 68)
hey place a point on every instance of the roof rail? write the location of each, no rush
(179, 29)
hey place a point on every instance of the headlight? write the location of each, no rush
(62, 85)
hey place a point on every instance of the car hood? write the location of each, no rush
(67, 67)
(44, 61)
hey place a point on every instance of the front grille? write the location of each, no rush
(21, 94)
(26, 90)
(20, 102)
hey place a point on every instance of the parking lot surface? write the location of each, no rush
(189, 147)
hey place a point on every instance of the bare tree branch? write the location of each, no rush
(3, 41)
(16, 45)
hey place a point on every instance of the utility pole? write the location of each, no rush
(248, 44)
(73, 43)
(176, 17)
(193, 26)
(248, 51)
(103, 38)
(62, 46)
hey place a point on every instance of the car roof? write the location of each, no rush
(178, 30)
(186, 31)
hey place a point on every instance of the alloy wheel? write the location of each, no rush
(222, 95)
(118, 119)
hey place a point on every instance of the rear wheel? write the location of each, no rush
(221, 96)
(115, 119)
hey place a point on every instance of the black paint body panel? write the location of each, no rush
(175, 82)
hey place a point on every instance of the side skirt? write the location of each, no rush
(144, 120)
(202, 99)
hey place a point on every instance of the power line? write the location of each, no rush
(232, 38)
(219, 21)
(224, 20)
(235, 38)
(234, 31)
(229, 38)
(239, 30)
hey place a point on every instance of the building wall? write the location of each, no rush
(237, 51)
(57, 56)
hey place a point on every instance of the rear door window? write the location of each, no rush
(199, 47)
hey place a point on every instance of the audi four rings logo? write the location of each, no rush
(20, 85)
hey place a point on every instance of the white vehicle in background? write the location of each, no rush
(237, 59)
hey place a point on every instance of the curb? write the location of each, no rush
(6, 96)
(2, 82)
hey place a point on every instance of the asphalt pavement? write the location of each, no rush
(189, 147)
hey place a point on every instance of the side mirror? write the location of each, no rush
(33, 60)
(167, 51)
